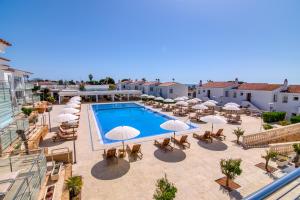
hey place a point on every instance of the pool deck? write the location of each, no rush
(193, 170)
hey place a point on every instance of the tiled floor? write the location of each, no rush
(193, 171)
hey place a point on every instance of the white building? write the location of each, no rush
(218, 91)
(150, 88)
(172, 90)
(288, 100)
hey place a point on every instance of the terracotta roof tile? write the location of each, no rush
(259, 86)
(293, 89)
(218, 84)
(168, 84)
(5, 42)
(151, 83)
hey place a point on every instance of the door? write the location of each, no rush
(249, 97)
(208, 93)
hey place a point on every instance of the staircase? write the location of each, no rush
(276, 135)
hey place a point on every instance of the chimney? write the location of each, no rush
(200, 83)
(285, 85)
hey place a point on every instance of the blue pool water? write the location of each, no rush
(109, 116)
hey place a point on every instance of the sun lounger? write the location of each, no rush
(182, 141)
(60, 136)
(206, 137)
(219, 134)
(135, 151)
(164, 145)
(110, 154)
(66, 131)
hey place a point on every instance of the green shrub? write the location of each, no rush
(270, 117)
(164, 190)
(284, 123)
(267, 126)
(295, 119)
(27, 111)
(51, 99)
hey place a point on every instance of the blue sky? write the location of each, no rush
(189, 40)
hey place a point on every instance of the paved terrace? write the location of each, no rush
(193, 170)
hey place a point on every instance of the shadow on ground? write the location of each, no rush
(176, 155)
(104, 170)
(49, 143)
(216, 145)
(233, 194)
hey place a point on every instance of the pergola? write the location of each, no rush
(112, 93)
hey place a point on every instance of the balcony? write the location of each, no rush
(28, 86)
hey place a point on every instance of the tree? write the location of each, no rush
(60, 82)
(269, 155)
(45, 94)
(125, 79)
(107, 80)
(297, 151)
(71, 82)
(230, 168)
(144, 79)
(74, 185)
(238, 132)
(91, 77)
(164, 189)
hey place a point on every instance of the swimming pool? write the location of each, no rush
(111, 115)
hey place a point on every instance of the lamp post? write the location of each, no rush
(74, 145)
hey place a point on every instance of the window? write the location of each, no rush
(124, 87)
(199, 91)
(275, 98)
(234, 95)
(242, 94)
(296, 98)
(226, 94)
(285, 99)
(171, 91)
(203, 90)
(151, 89)
(136, 87)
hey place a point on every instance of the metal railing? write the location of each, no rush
(31, 171)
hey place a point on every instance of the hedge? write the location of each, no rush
(270, 117)
(295, 119)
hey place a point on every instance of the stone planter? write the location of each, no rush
(49, 194)
(55, 171)
(282, 162)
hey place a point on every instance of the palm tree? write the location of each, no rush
(91, 77)
(269, 155)
(297, 151)
(238, 132)
(230, 168)
(74, 185)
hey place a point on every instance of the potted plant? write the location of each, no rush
(238, 132)
(269, 155)
(230, 168)
(27, 111)
(74, 185)
(22, 136)
(55, 171)
(165, 190)
(297, 157)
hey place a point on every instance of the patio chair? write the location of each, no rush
(164, 145)
(219, 134)
(135, 151)
(182, 141)
(110, 154)
(206, 137)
